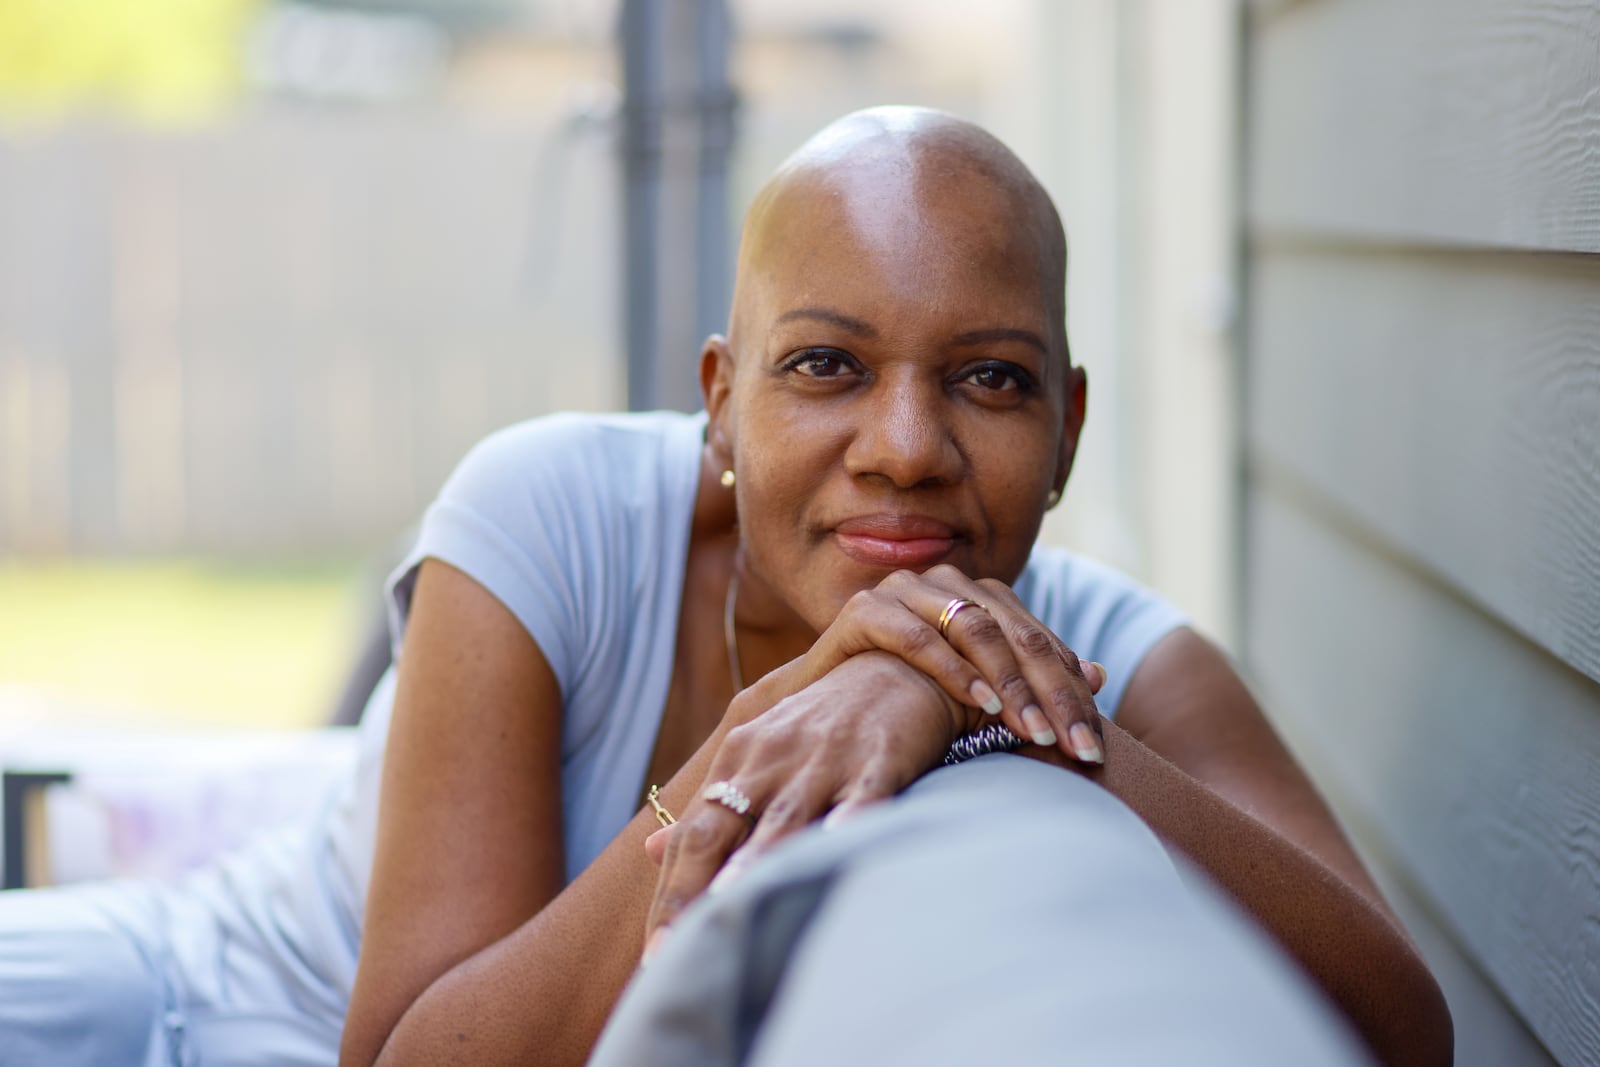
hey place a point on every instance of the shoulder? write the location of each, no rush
(1101, 613)
(554, 515)
(586, 453)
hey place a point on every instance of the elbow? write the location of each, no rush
(365, 1037)
(354, 1051)
(1434, 1029)
(1413, 1027)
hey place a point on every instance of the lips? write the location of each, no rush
(912, 542)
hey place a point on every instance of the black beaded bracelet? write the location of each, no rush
(991, 737)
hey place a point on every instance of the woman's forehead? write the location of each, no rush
(884, 212)
(862, 247)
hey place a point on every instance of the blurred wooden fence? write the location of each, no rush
(278, 335)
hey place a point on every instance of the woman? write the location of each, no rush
(888, 419)
(780, 611)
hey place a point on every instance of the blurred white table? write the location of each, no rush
(84, 800)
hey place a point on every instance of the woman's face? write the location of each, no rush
(893, 394)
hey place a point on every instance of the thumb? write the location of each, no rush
(655, 846)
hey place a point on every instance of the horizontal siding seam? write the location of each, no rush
(1281, 479)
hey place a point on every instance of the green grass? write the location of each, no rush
(182, 642)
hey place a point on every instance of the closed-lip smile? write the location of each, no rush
(887, 540)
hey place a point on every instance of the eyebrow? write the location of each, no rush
(836, 318)
(1001, 333)
(864, 329)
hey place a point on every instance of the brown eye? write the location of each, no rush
(820, 363)
(999, 377)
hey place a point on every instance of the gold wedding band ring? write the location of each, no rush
(951, 610)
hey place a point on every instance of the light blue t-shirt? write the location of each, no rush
(579, 524)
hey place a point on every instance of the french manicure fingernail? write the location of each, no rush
(984, 697)
(1038, 727)
(652, 946)
(838, 817)
(725, 877)
(1084, 743)
(1101, 667)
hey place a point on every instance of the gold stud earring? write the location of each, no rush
(1052, 498)
(727, 478)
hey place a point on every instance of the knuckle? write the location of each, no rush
(738, 741)
(1069, 659)
(1014, 685)
(860, 601)
(784, 811)
(981, 626)
(918, 637)
(702, 834)
(946, 571)
(994, 588)
(1034, 641)
(896, 580)
(871, 785)
(1066, 697)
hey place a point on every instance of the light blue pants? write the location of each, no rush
(128, 974)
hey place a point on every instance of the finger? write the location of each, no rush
(802, 801)
(1095, 674)
(701, 841)
(1053, 671)
(976, 633)
(652, 944)
(732, 870)
(655, 846)
(873, 786)
(845, 812)
(881, 619)
(798, 805)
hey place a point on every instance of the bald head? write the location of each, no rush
(917, 184)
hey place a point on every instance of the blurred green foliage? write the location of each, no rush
(182, 642)
(161, 59)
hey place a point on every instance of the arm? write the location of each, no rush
(1193, 755)
(471, 950)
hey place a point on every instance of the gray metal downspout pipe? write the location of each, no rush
(677, 133)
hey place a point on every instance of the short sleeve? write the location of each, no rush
(516, 516)
(1100, 613)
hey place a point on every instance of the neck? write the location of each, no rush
(768, 631)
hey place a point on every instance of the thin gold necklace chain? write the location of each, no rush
(729, 633)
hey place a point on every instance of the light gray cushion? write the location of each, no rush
(1001, 911)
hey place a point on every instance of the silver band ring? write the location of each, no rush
(951, 610)
(729, 796)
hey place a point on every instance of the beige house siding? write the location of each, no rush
(1422, 473)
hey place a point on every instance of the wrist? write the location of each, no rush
(748, 704)
(957, 718)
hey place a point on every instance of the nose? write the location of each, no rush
(904, 435)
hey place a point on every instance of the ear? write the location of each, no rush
(716, 386)
(1071, 423)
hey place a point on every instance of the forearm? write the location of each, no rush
(543, 993)
(1343, 939)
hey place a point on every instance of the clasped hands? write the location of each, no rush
(874, 704)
